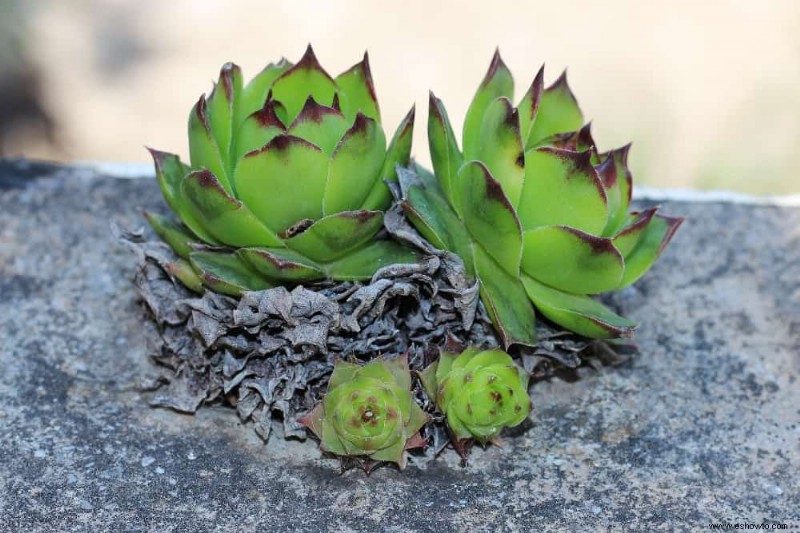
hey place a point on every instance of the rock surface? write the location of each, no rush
(703, 426)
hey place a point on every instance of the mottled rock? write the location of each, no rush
(702, 426)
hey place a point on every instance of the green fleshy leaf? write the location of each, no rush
(334, 236)
(427, 377)
(177, 236)
(435, 220)
(500, 147)
(307, 77)
(284, 182)
(223, 116)
(363, 264)
(457, 427)
(226, 273)
(203, 149)
(170, 173)
(562, 188)
(343, 372)
(504, 298)
(460, 360)
(570, 260)
(256, 91)
(392, 454)
(398, 153)
(330, 441)
(417, 419)
(489, 217)
(558, 112)
(281, 264)
(398, 368)
(320, 125)
(627, 239)
(258, 129)
(497, 82)
(445, 365)
(618, 182)
(357, 92)
(355, 166)
(224, 217)
(578, 313)
(529, 105)
(575, 141)
(651, 244)
(182, 271)
(445, 156)
(386, 372)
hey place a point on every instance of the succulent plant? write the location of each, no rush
(369, 411)
(533, 209)
(285, 182)
(480, 392)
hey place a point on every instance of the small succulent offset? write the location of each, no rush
(369, 411)
(285, 182)
(536, 213)
(480, 392)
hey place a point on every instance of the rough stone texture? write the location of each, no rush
(702, 426)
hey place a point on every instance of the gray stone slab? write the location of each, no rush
(702, 426)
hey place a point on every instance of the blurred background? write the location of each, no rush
(709, 92)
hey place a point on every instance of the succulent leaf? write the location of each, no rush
(226, 273)
(320, 125)
(357, 91)
(445, 156)
(255, 93)
(529, 105)
(500, 147)
(654, 239)
(258, 129)
(497, 83)
(172, 233)
(577, 313)
(334, 236)
(182, 271)
(398, 153)
(505, 301)
(283, 182)
(571, 260)
(368, 411)
(203, 149)
(627, 239)
(481, 392)
(223, 115)
(438, 223)
(223, 216)
(364, 262)
(355, 163)
(306, 78)
(619, 190)
(562, 188)
(169, 173)
(489, 217)
(558, 112)
(281, 264)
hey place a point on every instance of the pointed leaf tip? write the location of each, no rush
(529, 105)
(607, 171)
(496, 65)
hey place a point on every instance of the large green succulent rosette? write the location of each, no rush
(537, 214)
(369, 411)
(480, 392)
(285, 182)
